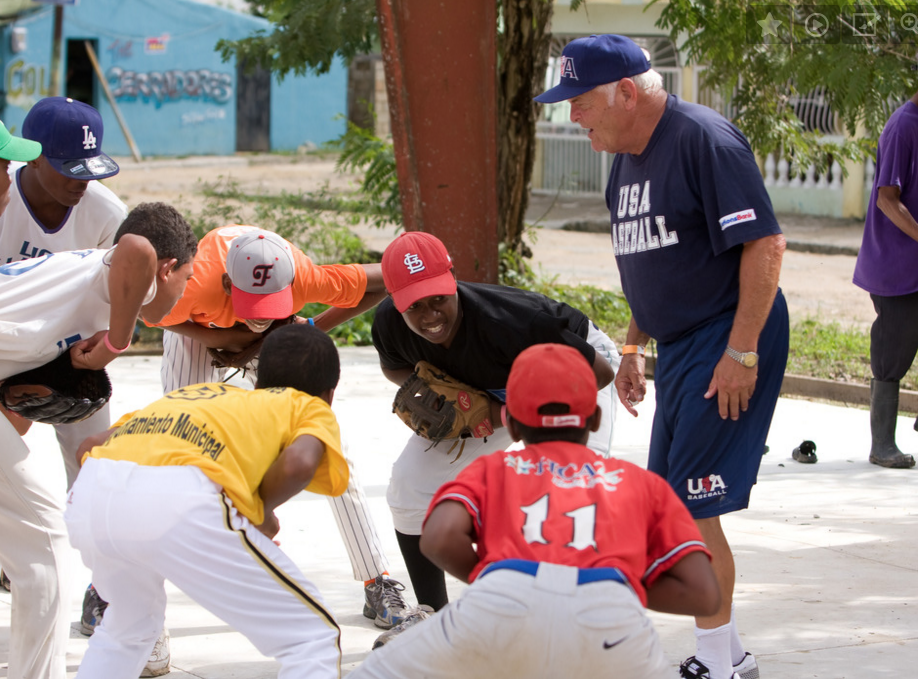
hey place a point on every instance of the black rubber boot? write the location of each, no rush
(884, 408)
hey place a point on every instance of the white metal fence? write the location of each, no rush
(566, 162)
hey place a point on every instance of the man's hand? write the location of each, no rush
(630, 382)
(733, 385)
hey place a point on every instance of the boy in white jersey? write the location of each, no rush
(86, 302)
(56, 205)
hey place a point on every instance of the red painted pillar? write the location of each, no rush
(441, 64)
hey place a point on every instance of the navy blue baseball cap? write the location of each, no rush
(70, 134)
(587, 63)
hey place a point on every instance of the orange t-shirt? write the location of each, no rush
(206, 303)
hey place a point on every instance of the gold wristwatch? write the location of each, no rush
(750, 359)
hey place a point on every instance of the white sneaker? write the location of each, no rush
(748, 668)
(158, 664)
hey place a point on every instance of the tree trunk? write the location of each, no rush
(523, 47)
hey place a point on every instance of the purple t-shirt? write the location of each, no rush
(681, 212)
(887, 263)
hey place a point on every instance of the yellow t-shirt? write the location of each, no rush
(233, 435)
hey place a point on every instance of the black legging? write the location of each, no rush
(428, 581)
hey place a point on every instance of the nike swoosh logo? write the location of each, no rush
(606, 645)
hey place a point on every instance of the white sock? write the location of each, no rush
(737, 652)
(713, 650)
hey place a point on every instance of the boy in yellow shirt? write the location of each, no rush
(185, 490)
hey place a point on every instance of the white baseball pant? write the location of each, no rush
(510, 624)
(422, 467)
(138, 526)
(186, 361)
(35, 556)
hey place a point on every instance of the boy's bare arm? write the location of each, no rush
(688, 588)
(447, 539)
(373, 295)
(290, 473)
(237, 338)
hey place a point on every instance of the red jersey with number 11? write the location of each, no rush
(561, 503)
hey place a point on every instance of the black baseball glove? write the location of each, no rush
(56, 392)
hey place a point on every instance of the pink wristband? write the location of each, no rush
(111, 348)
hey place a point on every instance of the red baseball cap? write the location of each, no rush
(261, 267)
(551, 373)
(416, 265)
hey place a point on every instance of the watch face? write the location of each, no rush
(750, 360)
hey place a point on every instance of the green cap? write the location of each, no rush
(17, 148)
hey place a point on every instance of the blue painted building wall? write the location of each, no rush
(174, 92)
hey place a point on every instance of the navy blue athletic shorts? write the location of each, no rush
(710, 462)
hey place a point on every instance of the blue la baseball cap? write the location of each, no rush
(587, 63)
(70, 134)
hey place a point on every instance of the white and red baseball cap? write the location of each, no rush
(416, 265)
(261, 267)
(551, 373)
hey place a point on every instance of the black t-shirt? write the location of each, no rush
(498, 322)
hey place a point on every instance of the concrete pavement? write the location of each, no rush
(826, 584)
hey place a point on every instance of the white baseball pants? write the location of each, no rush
(422, 467)
(137, 526)
(186, 361)
(36, 557)
(510, 624)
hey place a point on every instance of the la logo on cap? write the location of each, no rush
(89, 139)
(413, 263)
(567, 68)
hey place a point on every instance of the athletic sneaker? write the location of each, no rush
(748, 668)
(93, 608)
(384, 603)
(414, 616)
(693, 669)
(158, 664)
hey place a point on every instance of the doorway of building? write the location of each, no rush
(253, 109)
(80, 79)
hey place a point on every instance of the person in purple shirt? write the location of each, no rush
(886, 268)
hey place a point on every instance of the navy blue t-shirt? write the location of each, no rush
(498, 322)
(681, 211)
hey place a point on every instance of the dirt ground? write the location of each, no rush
(816, 286)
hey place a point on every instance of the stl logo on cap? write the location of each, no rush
(414, 263)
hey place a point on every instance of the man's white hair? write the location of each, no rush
(649, 81)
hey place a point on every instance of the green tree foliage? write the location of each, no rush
(307, 35)
(865, 66)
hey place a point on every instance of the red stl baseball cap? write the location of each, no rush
(260, 265)
(416, 265)
(551, 373)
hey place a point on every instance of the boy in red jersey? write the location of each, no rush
(563, 549)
